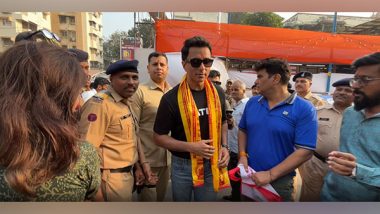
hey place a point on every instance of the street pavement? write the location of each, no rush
(168, 197)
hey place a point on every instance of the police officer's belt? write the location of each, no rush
(319, 157)
(120, 170)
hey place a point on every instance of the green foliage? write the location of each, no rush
(236, 17)
(145, 30)
(268, 19)
(111, 47)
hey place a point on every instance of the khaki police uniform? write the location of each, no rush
(314, 170)
(298, 183)
(145, 103)
(108, 123)
(314, 99)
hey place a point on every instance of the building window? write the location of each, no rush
(6, 22)
(95, 64)
(32, 26)
(92, 24)
(93, 36)
(7, 41)
(63, 33)
(71, 20)
(72, 35)
(64, 46)
(62, 19)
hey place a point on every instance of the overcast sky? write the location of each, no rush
(115, 21)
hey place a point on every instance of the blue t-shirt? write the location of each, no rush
(273, 134)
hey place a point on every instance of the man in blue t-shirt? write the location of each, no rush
(278, 130)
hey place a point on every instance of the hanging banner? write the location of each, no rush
(254, 42)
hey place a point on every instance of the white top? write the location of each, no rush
(86, 95)
(233, 133)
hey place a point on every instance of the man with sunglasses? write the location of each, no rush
(355, 170)
(214, 77)
(194, 113)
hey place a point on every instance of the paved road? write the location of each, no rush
(168, 197)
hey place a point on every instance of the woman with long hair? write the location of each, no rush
(41, 156)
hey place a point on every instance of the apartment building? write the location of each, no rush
(82, 30)
(12, 23)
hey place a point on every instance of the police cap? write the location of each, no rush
(123, 65)
(303, 74)
(342, 82)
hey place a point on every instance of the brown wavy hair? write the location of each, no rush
(39, 84)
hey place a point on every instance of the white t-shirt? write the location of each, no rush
(233, 133)
(88, 94)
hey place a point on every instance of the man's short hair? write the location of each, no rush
(371, 59)
(82, 56)
(100, 81)
(275, 66)
(253, 86)
(241, 84)
(196, 41)
(214, 73)
(156, 54)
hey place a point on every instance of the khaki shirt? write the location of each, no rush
(145, 104)
(317, 101)
(329, 123)
(107, 123)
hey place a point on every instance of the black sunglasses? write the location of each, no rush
(217, 82)
(196, 62)
(46, 34)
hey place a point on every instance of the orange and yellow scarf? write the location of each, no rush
(190, 120)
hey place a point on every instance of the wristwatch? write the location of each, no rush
(225, 146)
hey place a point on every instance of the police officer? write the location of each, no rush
(145, 104)
(303, 82)
(329, 123)
(107, 122)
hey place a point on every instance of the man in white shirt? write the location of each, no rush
(238, 94)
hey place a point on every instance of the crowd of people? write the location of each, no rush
(64, 138)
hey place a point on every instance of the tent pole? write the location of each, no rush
(329, 71)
